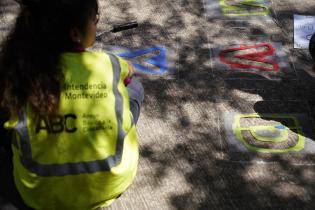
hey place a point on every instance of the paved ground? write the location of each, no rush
(191, 156)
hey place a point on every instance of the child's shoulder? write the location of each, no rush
(97, 53)
(86, 54)
(92, 56)
(102, 53)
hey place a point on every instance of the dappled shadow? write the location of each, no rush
(185, 161)
(213, 180)
(8, 11)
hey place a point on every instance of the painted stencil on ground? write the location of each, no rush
(266, 59)
(269, 133)
(238, 9)
(152, 61)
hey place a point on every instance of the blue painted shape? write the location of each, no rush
(160, 61)
(280, 126)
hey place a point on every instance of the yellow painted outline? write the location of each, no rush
(237, 11)
(237, 130)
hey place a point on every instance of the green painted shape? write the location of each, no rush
(238, 9)
(237, 129)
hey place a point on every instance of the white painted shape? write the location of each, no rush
(304, 26)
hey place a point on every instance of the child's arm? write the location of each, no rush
(131, 72)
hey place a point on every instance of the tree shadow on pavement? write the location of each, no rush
(184, 157)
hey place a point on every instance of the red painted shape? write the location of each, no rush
(256, 56)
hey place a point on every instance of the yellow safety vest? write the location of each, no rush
(87, 154)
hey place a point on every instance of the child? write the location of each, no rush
(74, 143)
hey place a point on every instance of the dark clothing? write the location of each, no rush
(136, 96)
(10, 199)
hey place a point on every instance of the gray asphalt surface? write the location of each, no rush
(190, 155)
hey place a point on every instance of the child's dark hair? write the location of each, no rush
(29, 59)
(311, 46)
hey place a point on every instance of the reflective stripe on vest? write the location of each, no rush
(80, 167)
